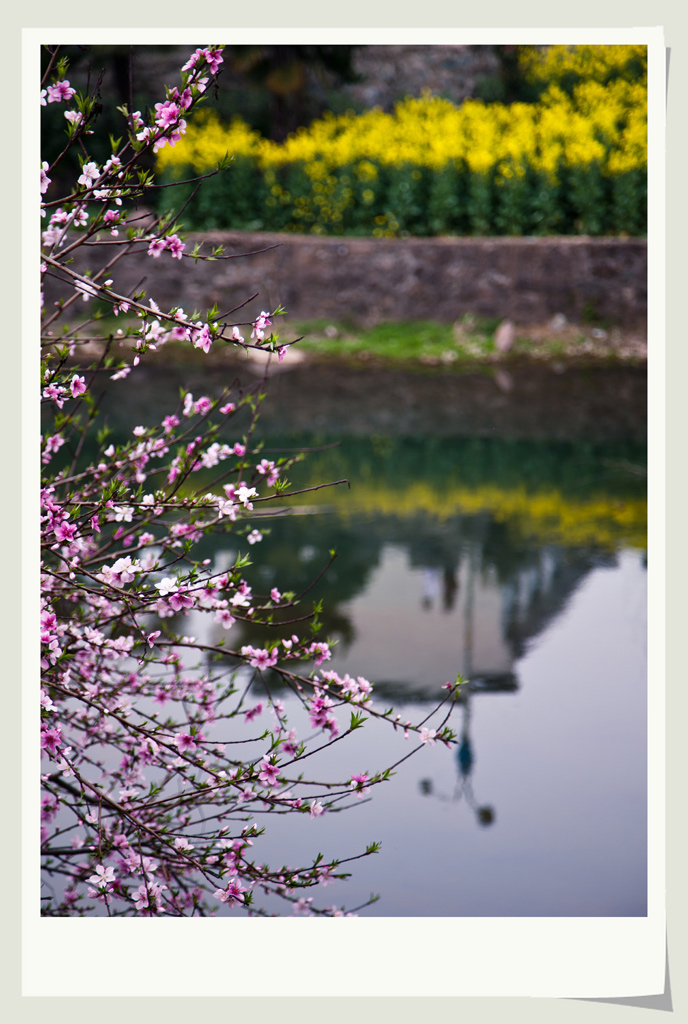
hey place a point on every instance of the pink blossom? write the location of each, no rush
(303, 905)
(60, 91)
(64, 531)
(156, 246)
(172, 139)
(161, 696)
(184, 742)
(226, 508)
(181, 599)
(258, 657)
(193, 60)
(244, 493)
(169, 423)
(77, 386)
(46, 702)
(112, 165)
(167, 114)
(253, 712)
(166, 586)
(242, 598)
(103, 877)
(290, 746)
(321, 650)
(268, 774)
(212, 56)
(52, 445)
(428, 736)
(55, 392)
(225, 618)
(204, 404)
(80, 215)
(316, 809)
(364, 689)
(146, 898)
(358, 783)
(231, 893)
(51, 737)
(122, 513)
(227, 409)
(89, 174)
(259, 326)
(49, 806)
(175, 246)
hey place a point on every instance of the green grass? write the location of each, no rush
(408, 341)
(469, 342)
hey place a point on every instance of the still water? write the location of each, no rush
(509, 546)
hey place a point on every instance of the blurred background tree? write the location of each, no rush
(276, 89)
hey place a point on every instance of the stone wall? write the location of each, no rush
(369, 280)
(387, 74)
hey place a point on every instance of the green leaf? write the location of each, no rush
(357, 720)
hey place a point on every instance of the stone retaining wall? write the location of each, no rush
(369, 280)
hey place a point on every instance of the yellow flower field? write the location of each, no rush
(387, 170)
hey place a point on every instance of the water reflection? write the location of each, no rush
(464, 756)
(446, 564)
(515, 558)
(541, 810)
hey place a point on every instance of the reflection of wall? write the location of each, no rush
(406, 635)
(537, 596)
(484, 650)
(340, 402)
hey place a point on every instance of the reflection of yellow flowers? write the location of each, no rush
(549, 516)
(545, 514)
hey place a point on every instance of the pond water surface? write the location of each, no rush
(496, 529)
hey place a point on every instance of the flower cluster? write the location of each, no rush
(153, 772)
